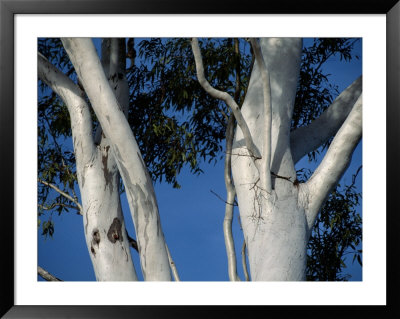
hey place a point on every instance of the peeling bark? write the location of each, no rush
(98, 181)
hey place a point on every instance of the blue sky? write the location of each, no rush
(191, 217)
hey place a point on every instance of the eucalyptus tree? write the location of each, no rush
(269, 100)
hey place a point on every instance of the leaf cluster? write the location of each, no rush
(175, 121)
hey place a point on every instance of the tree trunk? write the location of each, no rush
(139, 188)
(98, 180)
(277, 223)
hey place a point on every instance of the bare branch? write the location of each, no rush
(244, 264)
(78, 109)
(62, 193)
(143, 204)
(113, 60)
(335, 162)
(46, 275)
(266, 162)
(230, 200)
(220, 198)
(308, 138)
(60, 204)
(236, 97)
(224, 96)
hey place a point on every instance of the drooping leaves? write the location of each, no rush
(175, 121)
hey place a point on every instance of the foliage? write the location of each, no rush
(336, 234)
(174, 120)
(56, 163)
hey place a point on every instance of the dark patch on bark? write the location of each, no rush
(93, 251)
(96, 237)
(107, 174)
(115, 231)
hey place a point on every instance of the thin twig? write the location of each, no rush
(355, 176)
(219, 197)
(62, 193)
(283, 177)
(236, 97)
(60, 204)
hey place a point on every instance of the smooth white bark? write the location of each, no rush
(78, 109)
(229, 205)
(274, 225)
(98, 179)
(277, 226)
(334, 163)
(265, 178)
(138, 185)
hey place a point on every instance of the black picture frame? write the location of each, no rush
(9, 8)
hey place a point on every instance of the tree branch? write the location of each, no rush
(224, 96)
(81, 123)
(62, 193)
(305, 139)
(46, 275)
(139, 188)
(113, 60)
(60, 204)
(236, 97)
(335, 162)
(265, 178)
(230, 200)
